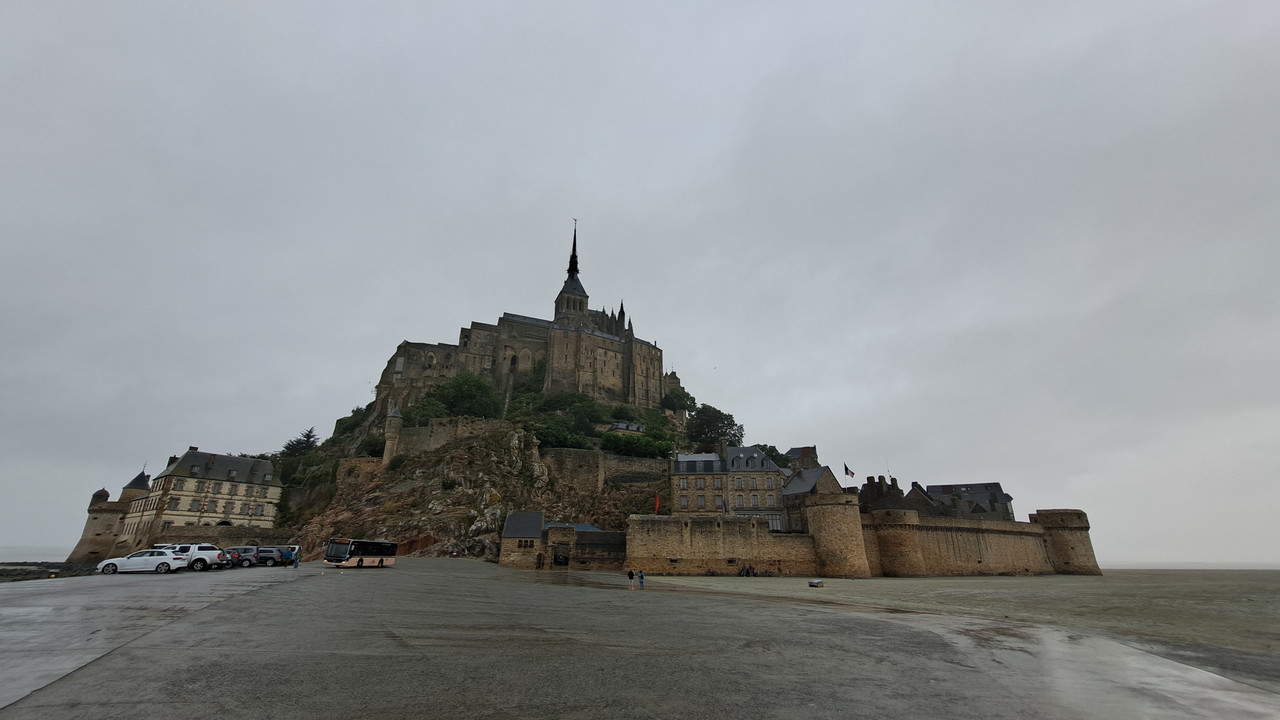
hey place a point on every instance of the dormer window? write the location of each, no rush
(195, 470)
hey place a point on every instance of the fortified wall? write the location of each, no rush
(885, 543)
(591, 470)
(437, 433)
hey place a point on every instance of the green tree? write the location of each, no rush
(678, 399)
(301, 445)
(468, 394)
(708, 425)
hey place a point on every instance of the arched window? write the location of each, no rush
(768, 500)
(755, 500)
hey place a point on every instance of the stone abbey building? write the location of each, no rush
(586, 351)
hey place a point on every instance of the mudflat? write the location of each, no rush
(457, 638)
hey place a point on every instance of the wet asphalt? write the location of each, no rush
(441, 638)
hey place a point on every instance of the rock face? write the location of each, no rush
(455, 499)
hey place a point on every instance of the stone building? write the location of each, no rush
(733, 481)
(529, 542)
(579, 350)
(195, 489)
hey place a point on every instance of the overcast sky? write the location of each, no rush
(1034, 243)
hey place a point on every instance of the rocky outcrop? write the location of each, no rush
(454, 499)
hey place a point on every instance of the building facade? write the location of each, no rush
(195, 489)
(733, 481)
(580, 350)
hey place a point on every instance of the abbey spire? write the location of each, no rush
(571, 303)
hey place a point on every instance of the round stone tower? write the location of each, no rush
(835, 523)
(1066, 540)
(900, 554)
(395, 421)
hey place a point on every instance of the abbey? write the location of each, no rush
(580, 350)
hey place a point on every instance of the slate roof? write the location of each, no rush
(802, 482)
(573, 286)
(213, 466)
(580, 527)
(139, 483)
(523, 525)
(736, 459)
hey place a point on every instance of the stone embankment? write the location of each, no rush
(13, 571)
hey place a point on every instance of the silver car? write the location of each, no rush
(160, 561)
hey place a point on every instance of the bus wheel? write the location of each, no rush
(360, 562)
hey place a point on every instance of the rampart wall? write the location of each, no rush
(442, 431)
(227, 535)
(591, 470)
(896, 543)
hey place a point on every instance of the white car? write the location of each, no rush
(161, 561)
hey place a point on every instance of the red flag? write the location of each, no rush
(656, 500)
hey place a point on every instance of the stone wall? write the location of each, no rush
(442, 431)
(226, 535)
(896, 543)
(590, 470)
(714, 544)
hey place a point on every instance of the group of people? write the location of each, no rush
(292, 557)
(632, 576)
(748, 571)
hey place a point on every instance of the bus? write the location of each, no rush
(345, 552)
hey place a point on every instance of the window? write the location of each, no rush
(178, 483)
(199, 486)
(231, 474)
(173, 504)
(719, 483)
(755, 500)
(235, 490)
(684, 502)
(738, 500)
(244, 508)
(195, 505)
(737, 483)
(167, 524)
(259, 510)
(684, 483)
(266, 478)
(217, 488)
(262, 491)
(195, 470)
(702, 501)
(702, 484)
(753, 484)
(768, 483)
(768, 499)
(719, 502)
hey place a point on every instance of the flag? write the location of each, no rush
(849, 472)
(657, 499)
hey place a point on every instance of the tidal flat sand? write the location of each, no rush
(1224, 621)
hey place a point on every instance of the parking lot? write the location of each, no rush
(460, 638)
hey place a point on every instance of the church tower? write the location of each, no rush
(571, 303)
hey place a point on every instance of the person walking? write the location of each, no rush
(631, 579)
(640, 577)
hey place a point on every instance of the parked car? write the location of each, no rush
(201, 556)
(153, 560)
(243, 555)
(270, 556)
(234, 557)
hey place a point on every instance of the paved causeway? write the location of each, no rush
(465, 639)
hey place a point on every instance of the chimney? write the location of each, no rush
(192, 448)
